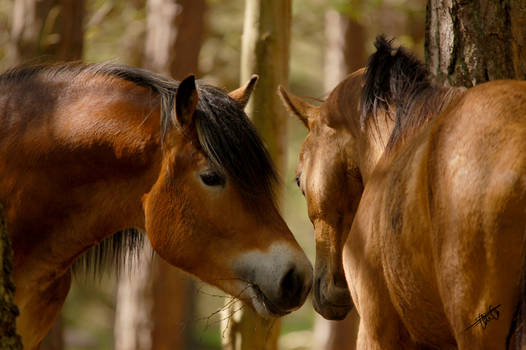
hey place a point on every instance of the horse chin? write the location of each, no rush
(332, 312)
(331, 302)
(262, 305)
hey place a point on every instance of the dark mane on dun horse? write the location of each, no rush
(396, 79)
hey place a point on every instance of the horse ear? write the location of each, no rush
(186, 99)
(300, 108)
(243, 93)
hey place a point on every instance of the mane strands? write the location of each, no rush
(395, 78)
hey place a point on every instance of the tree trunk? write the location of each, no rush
(336, 335)
(265, 51)
(174, 26)
(345, 51)
(133, 324)
(51, 29)
(154, 312)
(9, 340)
(469, 42)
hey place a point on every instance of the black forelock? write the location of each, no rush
(232, 143)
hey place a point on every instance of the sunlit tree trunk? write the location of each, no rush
(174, 26)
(265, 51)
(345, 39)
(9, 340)
(50, 29)
(469, 42)
(336, 335)
(133, 41)
(155, 303)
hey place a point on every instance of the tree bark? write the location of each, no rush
(154, 312)
(469, 42)
(265, 51)
(174, 26)
(52, 29)
(9, 339)
(345, 50)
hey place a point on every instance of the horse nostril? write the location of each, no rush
(291, 287)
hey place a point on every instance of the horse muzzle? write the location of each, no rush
(331, 301)
(277, 280)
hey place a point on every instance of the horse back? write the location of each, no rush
(448, 212)
(477, 200)
(71, 144)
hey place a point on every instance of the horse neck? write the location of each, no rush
(371, 144)
(94, 150)
(382, 139)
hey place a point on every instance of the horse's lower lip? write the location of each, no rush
(272, 309)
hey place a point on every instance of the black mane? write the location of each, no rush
(394, 77)
(225, 134)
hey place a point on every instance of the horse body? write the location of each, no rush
(437, 238)
(446, 219)
(87, 151)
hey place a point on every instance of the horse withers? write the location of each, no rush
(90, 150)
(419, 192)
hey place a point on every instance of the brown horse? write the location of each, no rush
(420, 192)
(90, 150)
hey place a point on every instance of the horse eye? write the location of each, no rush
(212, 178)
(298, 180)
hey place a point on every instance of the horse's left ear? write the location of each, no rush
(186, 99)
(243, 93)
(303, 110)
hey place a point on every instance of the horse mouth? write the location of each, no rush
(269, 308)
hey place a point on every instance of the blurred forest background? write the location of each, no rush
(329, 39)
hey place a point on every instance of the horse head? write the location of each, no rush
(329, 176)
(211, 211)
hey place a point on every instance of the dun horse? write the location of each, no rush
(90, 150)
(419, 192)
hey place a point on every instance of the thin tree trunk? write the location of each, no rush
(50, 29)
(345, 50)
(174, 26)
(469, 42)
(154, 312)
(336, 335)
(9, 339)
(132, 44)
(265, 51)
(133, 323)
